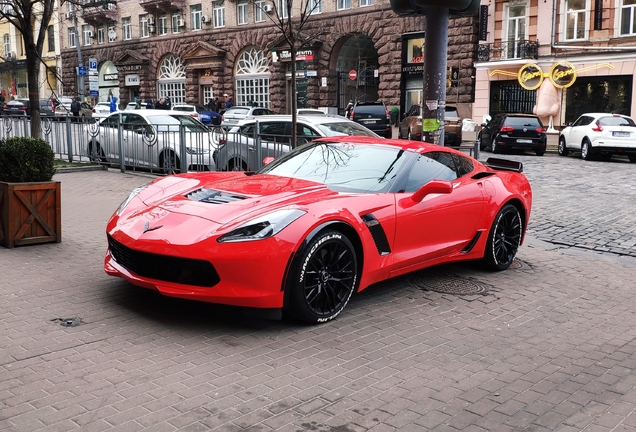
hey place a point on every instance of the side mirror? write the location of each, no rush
(432, 187)
(570, 123)
(268, 160)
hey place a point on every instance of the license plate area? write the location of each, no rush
(621, 134)
(524, 141)
(368, 121)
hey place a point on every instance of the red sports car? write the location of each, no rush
(324, 221)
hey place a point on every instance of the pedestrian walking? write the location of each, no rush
(161, 104)
(228, 101)
(210, 104)
(349, 108)
(168, 103)
(113, 104)
(75, 107)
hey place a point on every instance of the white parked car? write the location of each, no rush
(151, 138)
(63, 108)
(133, 106)
(237, 113)
(199, 112)
(600, 134)
(101, 110)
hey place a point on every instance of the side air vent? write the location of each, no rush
(212, 196)
(482, 174)
(378, 234)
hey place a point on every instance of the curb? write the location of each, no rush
(63, 170)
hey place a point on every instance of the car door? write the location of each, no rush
(579, 130)
(441, 224)
(137, 149)
(108, 137)
(411, 117)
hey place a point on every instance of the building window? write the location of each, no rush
(367, 3)
(171, 80)
(100, 35)
(628, 17)
(315, 6)
(143, 26)
(126, 28)
(241, 12)
(344, 4)
(87, 34)
(72, 40)
(50, 35)
(576, 19)
(282, 9)
(112, 34)
(195, 15)
(162, 25)
(516, 31)
(176, 23)
(259, 13)
(6, 44)
(208, 93)
(252, 78)
(219, 14)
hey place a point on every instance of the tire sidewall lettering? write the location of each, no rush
(311, 253)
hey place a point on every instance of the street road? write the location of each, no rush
(548, 345)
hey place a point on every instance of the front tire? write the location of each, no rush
(563, 149)
(322, 279)
(504, 239)
(169, 162)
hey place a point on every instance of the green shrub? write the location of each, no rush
(26, 160)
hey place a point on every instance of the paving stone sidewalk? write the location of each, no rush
(548, 345)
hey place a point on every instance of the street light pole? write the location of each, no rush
(80, 81)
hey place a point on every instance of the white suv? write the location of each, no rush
(603, 134)
(240, 151)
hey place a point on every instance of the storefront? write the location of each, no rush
(108, 82)
(412, 85)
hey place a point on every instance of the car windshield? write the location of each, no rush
(167, 121)
(201, 108)
(341, 166)
(616, 121)
(344, 128)
(370, 109)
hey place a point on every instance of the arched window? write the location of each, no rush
(252, 78)
(171, 80)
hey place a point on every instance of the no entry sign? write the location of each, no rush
(353, 75)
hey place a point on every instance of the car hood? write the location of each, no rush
(224, 198)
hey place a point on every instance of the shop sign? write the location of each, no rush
(132, 80)
(530, 76)
(127, 68)
(413, 69)
(110, 77)
(285, 55)
(563, 74)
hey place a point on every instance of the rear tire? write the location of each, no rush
(322, 278)
(540, 152)
(169, 162)
(563, 149)
(504, 239)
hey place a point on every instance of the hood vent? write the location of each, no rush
(213, 196)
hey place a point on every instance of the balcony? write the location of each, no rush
(508, 50)
(99, 12)
(162, 6)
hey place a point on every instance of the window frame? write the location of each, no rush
(315, 7)
(162, 25)
(566, 21)
(218, 10)
(144, 23)
(343, 5)
(242, 12)
(365, 3)
(101, 35)
(259, 12)
(72, 37)
(175, 22)
(196, 14)
(126, 28)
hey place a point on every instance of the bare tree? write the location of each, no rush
(31, 19)
(295, 34)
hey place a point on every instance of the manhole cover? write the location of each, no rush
(517, 264)
(448, 284)
(68, 322)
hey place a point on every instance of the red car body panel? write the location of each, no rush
(161, 220)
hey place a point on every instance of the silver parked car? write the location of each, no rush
(237, 113)
(152, 139)
(240, 151)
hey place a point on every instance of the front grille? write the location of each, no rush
(185, 271)
(213, 196)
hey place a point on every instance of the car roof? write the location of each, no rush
(313, 119)
(149, 112)
(595, 114)
(414, 146)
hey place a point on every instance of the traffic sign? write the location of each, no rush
(353, 75)
(81, 71)
(92, 64)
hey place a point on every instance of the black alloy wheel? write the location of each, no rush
(323, 278)
(562, 149)
(504, 239)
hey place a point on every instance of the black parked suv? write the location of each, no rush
(374, 116)
(513, 131)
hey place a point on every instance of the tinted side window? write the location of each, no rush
(369, 109)
(111, 121)
(463, 164)
(431, 166)
(615, 121)
(414, 111)
(523, 121)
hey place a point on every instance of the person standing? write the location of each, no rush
(349, 108)
(75, 107)
(228, 101)
(113, 104)
(161, 104)
(168, 103)
(148, 103)
(217, 105)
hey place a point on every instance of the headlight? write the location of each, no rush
(127, 201)
(262, 227)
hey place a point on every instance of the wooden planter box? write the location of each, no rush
(30, 213)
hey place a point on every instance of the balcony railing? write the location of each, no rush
(99, 13)
(508, 50)
(159, 6)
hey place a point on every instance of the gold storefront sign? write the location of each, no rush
(530, 76)
(562, 75)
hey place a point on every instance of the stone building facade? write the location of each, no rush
(210, 61)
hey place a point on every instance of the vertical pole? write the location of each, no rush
(435, 53)
(80, 84)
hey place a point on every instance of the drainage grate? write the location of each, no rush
(68, 322)
(448, 284)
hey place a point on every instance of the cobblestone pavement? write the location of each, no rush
(583, 204)
(549, 344)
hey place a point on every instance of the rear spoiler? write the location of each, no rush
(504, 164)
